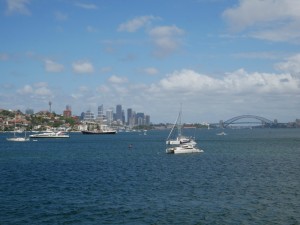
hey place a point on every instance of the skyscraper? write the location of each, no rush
(100, 115)
(147, 120)
(119, 112)
(89, 116)
(109, 116)
(129, 116)
(140, 118)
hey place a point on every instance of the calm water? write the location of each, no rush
(246, 177)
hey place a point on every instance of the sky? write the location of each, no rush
(217, 58)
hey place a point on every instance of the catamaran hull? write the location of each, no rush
(183, 150)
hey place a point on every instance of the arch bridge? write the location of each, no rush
(264, 121)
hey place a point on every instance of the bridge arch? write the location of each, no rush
(232, 120)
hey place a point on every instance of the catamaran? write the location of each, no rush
(181, 144)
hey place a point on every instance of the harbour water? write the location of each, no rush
(245, 177)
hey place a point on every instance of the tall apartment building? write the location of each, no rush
(67, 112)
(147, 120)
(109, 116)
(89, 116)
(140, 119)
(100, 115)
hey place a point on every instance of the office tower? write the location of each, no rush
(123, 117)
(89, 116)
(129, 116)
(140, 119)
(109, 116)
(100, 115)
(147, 120)
(119, 112)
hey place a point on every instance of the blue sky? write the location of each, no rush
(219, 58)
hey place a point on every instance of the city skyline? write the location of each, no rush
(126, 117)
(218, 58)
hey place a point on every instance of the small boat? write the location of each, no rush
(19, 139)
(16, 138)
(51, 134)
(183, 148)
(221, 133)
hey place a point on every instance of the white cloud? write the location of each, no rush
(83, 67)
(117, 80)
(27, 89)
(166, 39)
(53, 67)
(237, 82)
(43, 91)
(236, 93)
(38, 89)
(291, 65)
(18, 6)
(136, 23)
(275, 20)
(189, 81)
(204, 98)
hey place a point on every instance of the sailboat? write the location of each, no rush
(181, 144)
(16, 138)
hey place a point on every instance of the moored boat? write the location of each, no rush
(98, 132)
(58, 134)
(180, 144)
(19, 139)
(183, 148)
(16, 138)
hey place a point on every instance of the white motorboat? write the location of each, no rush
(58, 134)
(183, 148)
